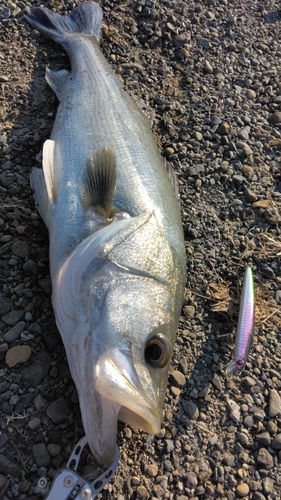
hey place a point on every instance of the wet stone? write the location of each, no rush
(58, 411)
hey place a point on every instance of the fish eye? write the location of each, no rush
(239, 364)
(156, 352)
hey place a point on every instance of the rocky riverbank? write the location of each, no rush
(207, 76)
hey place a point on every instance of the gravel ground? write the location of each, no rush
(207, 76)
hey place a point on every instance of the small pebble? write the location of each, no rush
(242, 489)
(18, 354)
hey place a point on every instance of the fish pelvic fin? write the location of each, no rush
(56, 80)
(173, 178)
(48, 168)
(85, 19)
(41, 198)
(99, 181)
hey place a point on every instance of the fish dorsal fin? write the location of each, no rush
(99, 181)
(48, 168)
(56, 80)
(173, 178)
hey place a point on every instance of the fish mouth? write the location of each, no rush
(118, 382)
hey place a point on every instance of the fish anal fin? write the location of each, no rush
(99, 182)
(56, 80)
(48, 167)
(173, 178)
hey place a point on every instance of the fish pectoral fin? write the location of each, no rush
(56, 80)
(48, 168)
(99, 181)
(38, 184)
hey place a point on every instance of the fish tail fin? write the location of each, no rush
(231, 368)
(86, 19)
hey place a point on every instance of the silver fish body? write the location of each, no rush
(246, 324)
(117, 253)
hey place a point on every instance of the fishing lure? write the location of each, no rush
(246, 324)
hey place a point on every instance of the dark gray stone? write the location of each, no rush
(190, 409)
(41, 455)
(58, 411)
(6, 305)
(14, 333)
(9, 467)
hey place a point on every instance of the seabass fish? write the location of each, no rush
(117, 254)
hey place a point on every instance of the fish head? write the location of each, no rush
(123, 351)
(126, 312)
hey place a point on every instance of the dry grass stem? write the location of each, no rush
(271, 248)
(266, 309)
